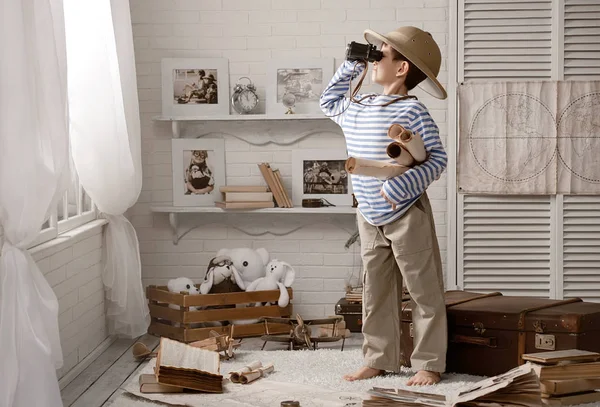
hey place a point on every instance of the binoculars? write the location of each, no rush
(358, 52)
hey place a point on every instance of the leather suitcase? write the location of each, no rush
(352, 313)
(488, 333)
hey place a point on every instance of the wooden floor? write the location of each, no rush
(99, 383)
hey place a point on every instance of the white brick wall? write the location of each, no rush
(249, 33)
(72, 267)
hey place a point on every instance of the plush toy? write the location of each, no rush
(278, 274)
(181, 284)
(221, 277)
(249, 263)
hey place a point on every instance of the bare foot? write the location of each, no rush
(424, 378)
(363, 373)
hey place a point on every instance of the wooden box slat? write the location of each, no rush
(164, 318)
(225, 314)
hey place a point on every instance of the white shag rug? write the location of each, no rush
(312, 377)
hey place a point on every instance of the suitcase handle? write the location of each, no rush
(475, 340)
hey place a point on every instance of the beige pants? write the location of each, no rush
(406, 249)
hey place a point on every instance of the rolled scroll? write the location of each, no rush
(248, 377)
(413, 143)
(373, 168)
(236, 376)
(400, 154)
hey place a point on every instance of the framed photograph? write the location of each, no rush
(297, 84)
(198, 171)
(195, 87)
(320, 174)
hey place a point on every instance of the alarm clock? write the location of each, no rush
(244, 99)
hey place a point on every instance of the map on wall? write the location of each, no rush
(529, 138)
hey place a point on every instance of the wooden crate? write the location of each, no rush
(176, 323)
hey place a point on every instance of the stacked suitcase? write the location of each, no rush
(488, 333)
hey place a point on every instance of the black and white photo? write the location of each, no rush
(296, 82)
(198, 171)
(195, 87)
(321, 174)
(305, 84)
(324, 177)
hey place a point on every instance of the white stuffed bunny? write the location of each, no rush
(278, 274)
(220, 269)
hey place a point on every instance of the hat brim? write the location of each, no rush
(430, 85)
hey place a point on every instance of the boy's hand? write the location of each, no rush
(382, 193)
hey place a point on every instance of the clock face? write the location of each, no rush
(246, 101)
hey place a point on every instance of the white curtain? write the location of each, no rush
(33, 174)
(106, 144)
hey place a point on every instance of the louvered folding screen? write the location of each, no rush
(582, 40)
(506, 40)
(504, 243)
(581, 247)
(581, 214)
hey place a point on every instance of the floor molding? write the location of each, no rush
(88, 360)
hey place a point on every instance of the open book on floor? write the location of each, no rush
(181, 365)
(517, 387)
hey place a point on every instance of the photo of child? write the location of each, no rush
(198, 173)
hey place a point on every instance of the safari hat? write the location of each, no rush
(418, 47)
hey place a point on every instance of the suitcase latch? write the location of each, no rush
(479, 328)
(411, 330)
(545, 342)
(539, 326)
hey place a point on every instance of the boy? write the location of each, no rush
(395, 222)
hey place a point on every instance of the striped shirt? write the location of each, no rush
(365, 128)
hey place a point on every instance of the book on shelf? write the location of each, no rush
(182, 365)
(517, 387)
(286, 197)
(244, 205)
(243, 188)
(247, 196)
(275, 185)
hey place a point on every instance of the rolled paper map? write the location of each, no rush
(412, 142)
(372, 168)
(400, 154)
(248, 377)
(236, 376)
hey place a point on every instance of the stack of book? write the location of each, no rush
(518, 387)
(245, 197)
(274, 182)
(567, 377)
(354, 295)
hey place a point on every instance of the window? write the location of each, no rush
(74, 209)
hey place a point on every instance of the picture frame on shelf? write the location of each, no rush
(195, 87)
(320, 174)
(198, 171)
(294, 85)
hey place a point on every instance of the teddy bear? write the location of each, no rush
(221, 277)
(279, 274)
(249, 263)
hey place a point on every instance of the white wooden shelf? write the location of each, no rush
(212, 209)
(242, 117)
(174, 211)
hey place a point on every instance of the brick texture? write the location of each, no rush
(249, 34)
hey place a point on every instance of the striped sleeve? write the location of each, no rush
(415, 181)
(333, 100)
